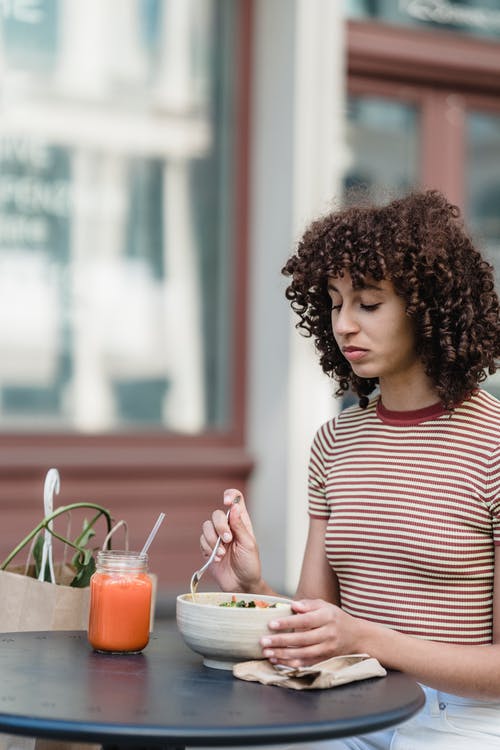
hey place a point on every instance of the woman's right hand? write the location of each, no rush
(236, 567)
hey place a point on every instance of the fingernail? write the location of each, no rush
(227, 536)
(265, 641)
(273, 624)
(267, 653)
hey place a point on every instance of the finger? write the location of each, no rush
(285, 623)
(241, 533)
(221, 551)
(204, 546)
(301, 639)
(294, 656)
(313, 613)
(221, 525)
(294, 664)
(308, 605)
(307, 621)
(230, 496)
(209, 533)
(239, 518)
(229, 500)
(207, 549)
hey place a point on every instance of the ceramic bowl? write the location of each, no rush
(226, 635)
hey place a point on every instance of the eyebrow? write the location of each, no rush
(332, 287)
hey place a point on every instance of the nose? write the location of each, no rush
(344, 321)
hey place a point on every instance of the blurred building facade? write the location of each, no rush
(158, 161)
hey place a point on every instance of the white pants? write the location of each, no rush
(446, 722)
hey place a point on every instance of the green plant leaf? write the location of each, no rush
(83, 539)
(37, 553)
(85, 567)
(83, 561)
(45, 525)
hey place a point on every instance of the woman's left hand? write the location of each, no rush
(319, 630)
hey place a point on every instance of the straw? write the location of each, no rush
(153, 533)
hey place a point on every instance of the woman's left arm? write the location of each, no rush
(322, 630)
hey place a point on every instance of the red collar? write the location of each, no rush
(409, 418)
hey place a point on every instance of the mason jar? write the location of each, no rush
(120, 602)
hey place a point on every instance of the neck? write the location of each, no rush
(408, 396)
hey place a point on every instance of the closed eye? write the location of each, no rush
(365, 308)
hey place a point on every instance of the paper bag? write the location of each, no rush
(29, 603)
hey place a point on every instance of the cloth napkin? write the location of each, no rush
(325, 674)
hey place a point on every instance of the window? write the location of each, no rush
(118, 192)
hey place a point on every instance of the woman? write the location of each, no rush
(402, 553)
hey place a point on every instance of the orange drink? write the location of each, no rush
(120, 602)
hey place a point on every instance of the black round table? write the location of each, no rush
(52, 685)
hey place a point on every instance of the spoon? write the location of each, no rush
(195, 578)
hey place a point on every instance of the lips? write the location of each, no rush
(354, 353)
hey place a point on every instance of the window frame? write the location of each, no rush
(444, 73)
(214, 452)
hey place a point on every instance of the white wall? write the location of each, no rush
(271, 197)
(297, 157)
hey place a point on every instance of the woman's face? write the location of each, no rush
(372, 330)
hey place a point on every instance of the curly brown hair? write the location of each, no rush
(419, 243)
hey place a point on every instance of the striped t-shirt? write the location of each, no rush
(413, 507)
